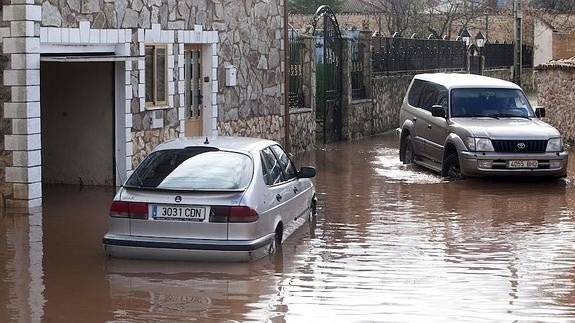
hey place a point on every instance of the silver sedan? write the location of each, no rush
(212, 199)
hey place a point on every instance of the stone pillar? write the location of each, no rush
(346, 96)
(365, 41)
(22, 185)
(309, 90)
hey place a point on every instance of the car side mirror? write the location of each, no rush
(306, 172)
(540, 112)
(438, 111)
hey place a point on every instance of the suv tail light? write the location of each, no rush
(233, 214)
(132, 210)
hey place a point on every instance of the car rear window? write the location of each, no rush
(193, 169)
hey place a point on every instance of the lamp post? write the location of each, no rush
(466, 36)
(480, 42)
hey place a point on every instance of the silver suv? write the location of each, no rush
(470, 125)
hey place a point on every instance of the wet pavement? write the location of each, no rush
(390, 243)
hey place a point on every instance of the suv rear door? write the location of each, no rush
(417, 115)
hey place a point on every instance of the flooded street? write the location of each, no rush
(389, 243)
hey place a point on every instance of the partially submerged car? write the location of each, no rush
(470, 125)
(212, 199)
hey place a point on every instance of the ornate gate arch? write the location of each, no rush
(328, 58)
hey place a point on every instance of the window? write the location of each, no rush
(415, 93)
(285, 162)
(485, 102)
(271, 169)
(156, 75)
(194, 168)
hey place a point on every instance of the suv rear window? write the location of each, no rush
(196, 168)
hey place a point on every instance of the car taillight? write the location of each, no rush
(224, 214)
(133, 210)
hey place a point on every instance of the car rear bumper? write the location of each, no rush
(137, 247)
(469, 163)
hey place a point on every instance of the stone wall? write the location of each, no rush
(556, 92)
(506, 74)
(389, 92)
(147, 140)
(360, 120)
(270, 127)
(302, 130)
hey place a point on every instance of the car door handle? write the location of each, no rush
(295, 190)
(428, 126)
(278, 197)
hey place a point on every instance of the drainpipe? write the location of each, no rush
(287, 145)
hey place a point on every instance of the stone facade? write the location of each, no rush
(556, 92)
(507, 74)
(302, 130)
(270, 127)
(248, 34)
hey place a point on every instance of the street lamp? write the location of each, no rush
(466, 36)
(480, 40)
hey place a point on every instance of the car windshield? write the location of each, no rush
(194, 168)
(495, 103)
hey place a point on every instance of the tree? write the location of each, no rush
(310, 6)
(557, 5)
(444, 15)
(401, 15)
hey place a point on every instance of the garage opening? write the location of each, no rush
(78, 109)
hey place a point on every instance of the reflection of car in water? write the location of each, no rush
(218, 199)
(469, 125)
(173, 291)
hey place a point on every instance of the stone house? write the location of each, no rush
(89, 87)
(555, 82)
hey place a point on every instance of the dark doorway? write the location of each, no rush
(77, 104)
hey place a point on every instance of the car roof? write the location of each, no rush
(457, 80)
(243, 144)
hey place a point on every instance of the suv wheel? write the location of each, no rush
(452, 169)
(408, 155)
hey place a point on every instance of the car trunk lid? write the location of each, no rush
(180, 214)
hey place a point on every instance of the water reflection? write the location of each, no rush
(389, 243)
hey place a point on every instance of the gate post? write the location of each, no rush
(346, 92)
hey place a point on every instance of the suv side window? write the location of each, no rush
(271, 169)
(433, 94)
(429, 96)
(415, 93)
(285, 162)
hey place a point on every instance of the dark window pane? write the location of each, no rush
(149, 74)
(273, 173)
(285, 162)
(193, 169)
(161, 74)
(415, 93)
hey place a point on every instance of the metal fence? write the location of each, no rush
(357, 70)
(396, 55)
(501, 55)
(296, 53)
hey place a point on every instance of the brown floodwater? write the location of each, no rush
(389, 243)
